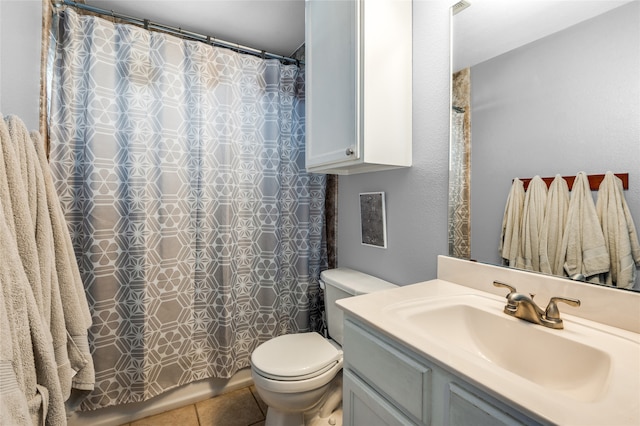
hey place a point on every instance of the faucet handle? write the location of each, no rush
(511, 305)
(511, 288)
(552, 313)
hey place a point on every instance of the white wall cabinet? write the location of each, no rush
(358, 85)
(387, 384)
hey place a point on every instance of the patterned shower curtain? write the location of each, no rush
(198, 232)
(460, 166)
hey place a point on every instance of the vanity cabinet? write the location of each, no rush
(385, 383)
(358, 85)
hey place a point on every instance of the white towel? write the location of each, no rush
(14, 405)
(51, 294)
(32, 358)
(535, 201)
(555, 218)
(583, 243)
(619, 232)
(510, 236)
(77, 317)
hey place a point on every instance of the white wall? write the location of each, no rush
(417, 197)
(567, 103)
(20, 37)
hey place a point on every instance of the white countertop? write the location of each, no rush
(617, 404)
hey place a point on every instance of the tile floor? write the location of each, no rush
(242, 407)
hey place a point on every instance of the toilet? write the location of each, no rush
(299, 376)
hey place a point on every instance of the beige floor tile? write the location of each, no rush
(184, 416)
(237, 408)
(261, 404)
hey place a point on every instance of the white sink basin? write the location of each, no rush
(564, 361)
(585, 374)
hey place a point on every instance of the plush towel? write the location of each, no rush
(14, 406)
(510, 236)
(41, 248)
(619, 232)
(583, 244)
(52, 310)
(535, 201)
(51, 300)
(77, 317)
(555, 218)
(22, 225)
(31, 356)
(33, 361)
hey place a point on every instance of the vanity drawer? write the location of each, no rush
(395, 376)
(466, 407)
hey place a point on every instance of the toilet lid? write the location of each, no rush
(295, 356)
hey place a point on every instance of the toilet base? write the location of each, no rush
(280, 418)
(327, 412)
(334, 419)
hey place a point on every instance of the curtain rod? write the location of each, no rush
(147, 24)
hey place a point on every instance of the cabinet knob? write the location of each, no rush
(349, 151)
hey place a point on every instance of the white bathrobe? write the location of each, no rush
(583, 243)
(510, 236)
(555, 218)
(619, 233)
(535, 202)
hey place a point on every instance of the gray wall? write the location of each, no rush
(567, 103)
(20, 30)
(416, 198)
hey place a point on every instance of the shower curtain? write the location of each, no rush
(198, 233)
(458, 190)
(460, 166)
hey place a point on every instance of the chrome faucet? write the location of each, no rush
(521, 306)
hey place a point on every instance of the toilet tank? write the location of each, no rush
(340, 283)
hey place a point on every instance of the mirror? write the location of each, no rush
(552, 88)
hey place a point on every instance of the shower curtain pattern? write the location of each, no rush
(198, 233)
(459, 167)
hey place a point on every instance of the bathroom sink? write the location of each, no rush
(584, 374)
(474, 326)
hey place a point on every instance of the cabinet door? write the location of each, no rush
(332, 117)
(363, 406)
(466, 408)
(397, 377)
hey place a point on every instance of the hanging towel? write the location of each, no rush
(583, 245)
(33, 186)
(21, 217)
(52, 297)
(77, 317)
(14, 405)
(555, 218)
(510, 236)
(619, 232)
(34, 371)
(535, 201)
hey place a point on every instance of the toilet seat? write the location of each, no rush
(294, 357)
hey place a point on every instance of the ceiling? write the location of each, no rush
(276, 26)
(485, 29)
(489, 28)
